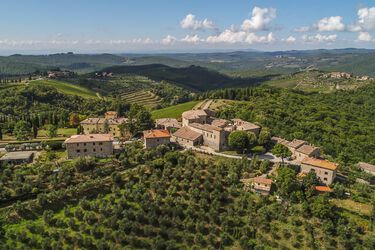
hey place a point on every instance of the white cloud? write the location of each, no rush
(319, 38)
(291, 39)
(333, 23)
(303, 29)
(260, 19)
(190, 22)
(168, 40)
(366, 18)
(233, 36)
(191, 39)
(364, 37)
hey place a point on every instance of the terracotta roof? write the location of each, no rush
(194, 114)
(219, 123)
(156, 133)
(323, 189)
(366, 166)
(245, 124)
(168, 122)
(187, 133)
(296, 143)
(319, 163)
(89, 138)
(280, 140)
(306, 149)
(205, 127)
(90, 121)
(262, 180)
(111, 113)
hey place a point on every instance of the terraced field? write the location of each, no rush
(142, 97)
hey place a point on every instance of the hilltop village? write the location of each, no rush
(198, 130)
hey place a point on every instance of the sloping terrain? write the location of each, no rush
(67, 88)
(194, 78)
(142, 97)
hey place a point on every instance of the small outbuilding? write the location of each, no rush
(18, 157)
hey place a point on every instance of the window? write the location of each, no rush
(94, 150)
(326, 173)
(77, 144)
(78, 150)
(325, 179)
(101, 149)
(84, 144)
(157, 140)
(85, 150)
(100, 143)
(93, 143)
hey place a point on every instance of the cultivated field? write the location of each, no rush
(67, 88)
(174, 111)
(142, 97)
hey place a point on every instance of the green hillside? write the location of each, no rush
(173, 111)
(67, 88)
(145, 98)
(193, 78)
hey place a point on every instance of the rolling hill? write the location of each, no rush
(66, 88)
(194, 78)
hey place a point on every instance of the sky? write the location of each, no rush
(125, 26)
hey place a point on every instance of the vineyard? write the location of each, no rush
(142, 97)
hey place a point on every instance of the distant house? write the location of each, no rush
(279, 140)
(306, 151)
(325, 170)
(259, 185)
(18, 157)
(194, 116)
(95, 145)
(366, 167)
(187, 137)
(155, 137)
(167, 123)
(246, 126)
(107, 125)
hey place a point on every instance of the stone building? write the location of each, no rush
(167, 123)
(194, 116)
(110, 124)
(95, 145)
(213, 137)
(325, 170)
(155, 137)
(187, 137)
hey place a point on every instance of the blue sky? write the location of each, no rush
(28, 26)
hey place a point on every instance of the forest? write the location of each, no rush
(341, 123)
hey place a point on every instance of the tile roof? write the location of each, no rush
(366, 166)
(205, 127)
(323, 189)
(245, 124)
(187, 133)
(296, 143)
(280, 140)
(168, 122)
(219, 123)
(89, 138)
(194, 114)
(306, 149)
(320, 163)
(262, 180)
(156, 133)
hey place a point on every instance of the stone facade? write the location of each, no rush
(325, 170)
(154, 138)
(95, 145)
(98, 125)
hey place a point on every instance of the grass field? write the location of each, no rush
(173, 111)
(67, 88)
(62, 133)
(145, 98)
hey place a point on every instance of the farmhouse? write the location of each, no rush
(325, 170)
(107, 125)
(194, 116)
(293, 145)
(18, 157)
(156, 137)
(259, 185)
(213, 137)
(246, 126)
(306, 151)
(95, 145)
(167, 123)
(187, 137)
(366, 167)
